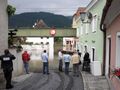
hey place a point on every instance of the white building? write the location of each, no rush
(39, 45)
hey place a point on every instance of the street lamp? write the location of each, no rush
(83, 15)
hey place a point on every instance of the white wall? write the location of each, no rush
(17, 63)
(37, 50)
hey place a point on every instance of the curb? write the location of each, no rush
(109, 83)
(84, 82)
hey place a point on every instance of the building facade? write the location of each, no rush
(3, 26)
(76, 24)
(90, 36)
(110, 25)
(3, 32)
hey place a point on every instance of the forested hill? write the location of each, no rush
(50, 19)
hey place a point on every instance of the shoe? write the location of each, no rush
(48, 73)
(9, 87)
(43, 72)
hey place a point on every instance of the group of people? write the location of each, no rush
(7, 64)
(44, 56)
(75, 58)
(66, 57)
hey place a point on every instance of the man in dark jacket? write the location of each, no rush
(7, 66)
(86, 62)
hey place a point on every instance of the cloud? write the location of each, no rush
(64, 7)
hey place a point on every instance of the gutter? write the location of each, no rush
(103, 28)
(105, 10)
(91, 4)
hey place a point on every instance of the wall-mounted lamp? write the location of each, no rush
(83, 15)
(93, 41)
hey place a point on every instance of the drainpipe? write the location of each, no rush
(104, 51)
(103, 29)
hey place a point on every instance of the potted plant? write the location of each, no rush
(116, 72)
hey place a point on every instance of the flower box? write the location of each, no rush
(116, 72)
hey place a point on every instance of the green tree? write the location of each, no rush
(11, 10)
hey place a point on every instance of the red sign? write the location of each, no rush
(53, 32)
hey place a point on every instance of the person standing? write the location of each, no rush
(60, 60)
(86, 62)
(79, 53)
(26, 59)
(66, 58)
(7, 66)
(75, 62)
(45, 62)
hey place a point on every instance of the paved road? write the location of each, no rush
(54, 81)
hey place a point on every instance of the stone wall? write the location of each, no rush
(3, 26)
(3, 34)
(17, 63)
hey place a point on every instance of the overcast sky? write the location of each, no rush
(63, 7)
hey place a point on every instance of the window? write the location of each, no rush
(78, 30)
(81, 30)
(85, 49)
(94, 23)
(86, 28)
(93, 54)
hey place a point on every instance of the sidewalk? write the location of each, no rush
(94, 82)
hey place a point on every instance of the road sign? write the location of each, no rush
(52, 32)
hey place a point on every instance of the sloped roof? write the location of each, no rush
(41, 24)
(79, 10)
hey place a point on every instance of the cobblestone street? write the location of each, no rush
(54, 81)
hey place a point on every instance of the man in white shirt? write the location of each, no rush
(45, 62)
(66, 58)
